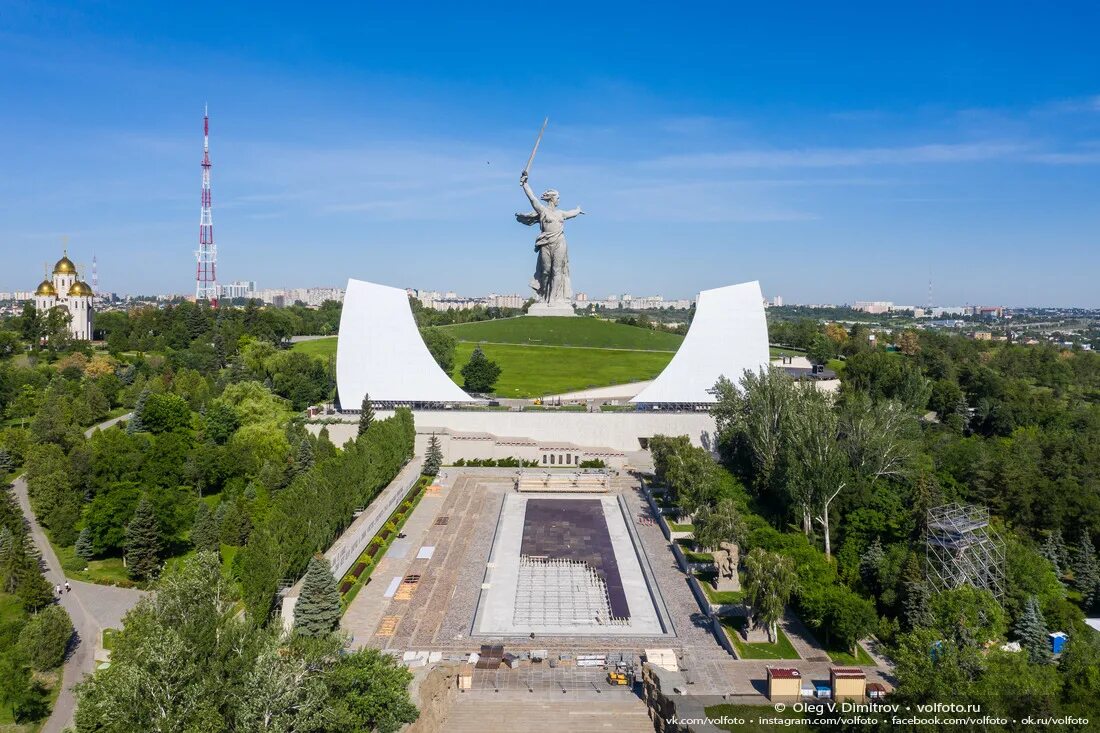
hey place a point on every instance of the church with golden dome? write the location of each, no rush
(66, 290)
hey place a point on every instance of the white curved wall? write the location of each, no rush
(380, 351)
(728, 336)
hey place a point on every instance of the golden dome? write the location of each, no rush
(64, 266)
(79, 288)
(45, 288)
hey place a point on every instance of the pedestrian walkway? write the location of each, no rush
(91, 607)
(801, 639)
(363, 616)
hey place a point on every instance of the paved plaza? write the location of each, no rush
(587, 581)
(423, 597)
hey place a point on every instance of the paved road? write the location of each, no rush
(91, 607)
(107, 423)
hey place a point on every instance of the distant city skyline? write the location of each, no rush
(708, 147)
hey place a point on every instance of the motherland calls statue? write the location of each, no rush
(551, 283)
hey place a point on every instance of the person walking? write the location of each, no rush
(67, 587)
(57, 589)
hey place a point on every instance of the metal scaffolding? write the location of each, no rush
(960, 550)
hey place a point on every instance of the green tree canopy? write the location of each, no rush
(480, 374)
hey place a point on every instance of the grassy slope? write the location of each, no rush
(575, 353)
(544, 356)
(321, 348)
(589, 332)
(533, 371)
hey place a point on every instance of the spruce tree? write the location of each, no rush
(205, 534)
(1054, 550)
(7, 463)
(84, 548)
(25, 576)
(479, 374)
(143, 543)
(1031, 629)
(917, 598)
(433, 458)
(366, 415)
(1086, 572)
(7, 544)
(303, 457)
(324, 448)
(135, 425)
(317, 612)
(870, 566)
(236, 523)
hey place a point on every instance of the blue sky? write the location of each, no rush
(834, 152)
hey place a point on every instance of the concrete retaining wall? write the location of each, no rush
(618, 430)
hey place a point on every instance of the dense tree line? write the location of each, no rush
(709, 491)
(34, 635)
(285, 537)
(212, 459)
(185, 660)
(929, 420)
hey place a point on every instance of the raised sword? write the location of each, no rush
(527, 168)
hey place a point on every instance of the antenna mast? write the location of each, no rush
(206, 280)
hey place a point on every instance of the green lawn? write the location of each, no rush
(544, 356)
(781, 649)
(322, 348)
(106, 571)
(778, 351)
(750, 714)
(722, 597)
(535, 371)
(587, 332)
(681, 527)
(691, 554)
(843, 657)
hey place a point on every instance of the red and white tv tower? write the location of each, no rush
(206, 279)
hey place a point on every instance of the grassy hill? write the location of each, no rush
(586, 332)
(544, 356)
(537, 371)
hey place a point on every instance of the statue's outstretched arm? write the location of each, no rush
(572, 213)
(531, 195)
